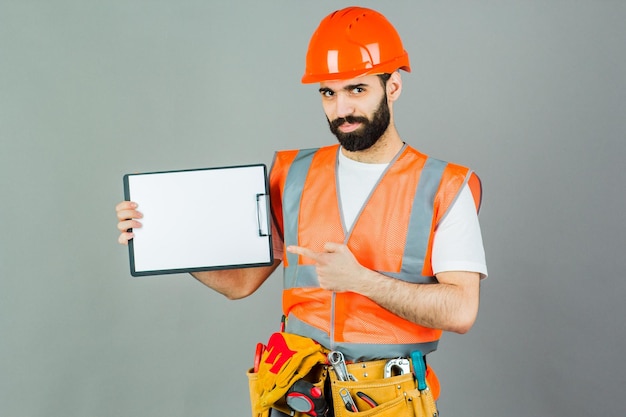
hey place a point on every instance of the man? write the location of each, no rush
(381, 244)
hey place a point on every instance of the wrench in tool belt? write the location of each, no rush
(336, 359)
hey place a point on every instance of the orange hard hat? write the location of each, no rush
(352, 42)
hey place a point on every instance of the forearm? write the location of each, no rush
(443, 305)
(235, 283)
(451, 304)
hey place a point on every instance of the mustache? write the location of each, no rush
(348, 119)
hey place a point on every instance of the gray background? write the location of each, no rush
(531, 94)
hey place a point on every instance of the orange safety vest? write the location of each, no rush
(392, 235)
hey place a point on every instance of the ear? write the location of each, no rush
(394, 86)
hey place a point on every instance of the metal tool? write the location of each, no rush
(304, 397)
(338, 362)
(395, 367)
(347, 400)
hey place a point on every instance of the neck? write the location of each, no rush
(382, 152)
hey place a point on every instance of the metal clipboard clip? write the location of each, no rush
(263, 214)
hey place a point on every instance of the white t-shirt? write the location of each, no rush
(457, 245)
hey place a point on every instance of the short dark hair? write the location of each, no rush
(384, 78)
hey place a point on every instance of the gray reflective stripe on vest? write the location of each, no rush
(292, 195)
(358, 351)
(307, 276)
(421, 219)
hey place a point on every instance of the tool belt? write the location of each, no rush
(376, 395)
(373, 388)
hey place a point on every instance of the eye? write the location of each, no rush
(327, 93)
(357, 90)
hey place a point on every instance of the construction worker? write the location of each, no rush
(381, 244)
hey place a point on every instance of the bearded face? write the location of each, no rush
(368, 133)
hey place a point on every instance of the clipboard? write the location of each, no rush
(200, 219)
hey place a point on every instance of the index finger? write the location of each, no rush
(126, 205)
(300, 250)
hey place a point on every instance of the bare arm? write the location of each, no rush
(236, 283)
(451, 304)
(232, 283)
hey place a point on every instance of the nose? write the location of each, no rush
(344, 106)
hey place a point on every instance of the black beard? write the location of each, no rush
(366, 135)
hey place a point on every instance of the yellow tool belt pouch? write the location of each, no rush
(373, 395)
(254, 386)
(286, 359)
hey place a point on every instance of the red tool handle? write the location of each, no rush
(260, 348)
